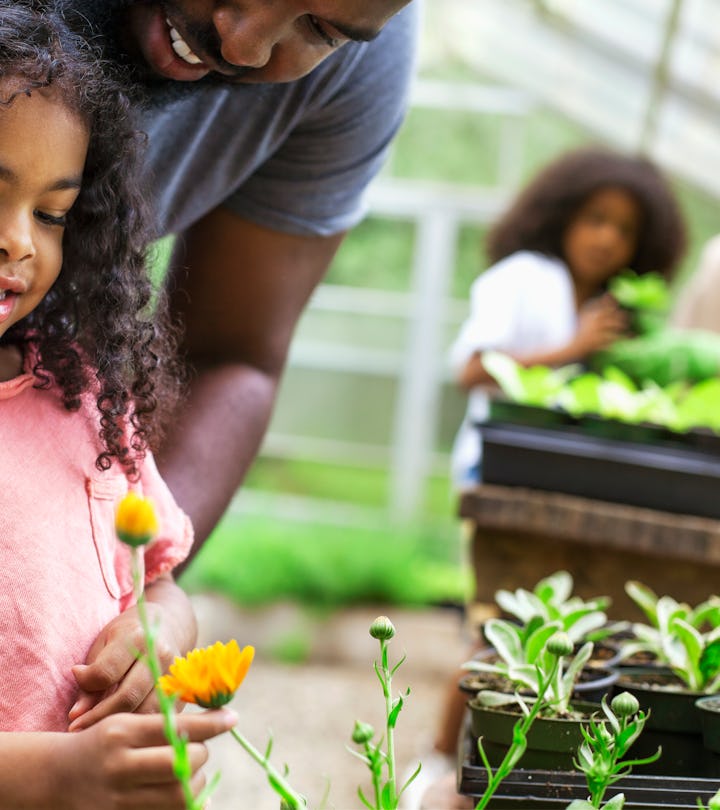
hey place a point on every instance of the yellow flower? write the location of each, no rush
(135, 520)
(209, 676)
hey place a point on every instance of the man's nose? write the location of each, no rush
(247, 38)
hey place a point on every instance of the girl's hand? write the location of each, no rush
(124, 761)
(113, 679)
(600, 323)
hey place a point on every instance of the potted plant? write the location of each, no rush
(552, 599)
(549, 607)
(685, 642)
(546, 667)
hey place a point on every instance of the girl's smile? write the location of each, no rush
(43, 146)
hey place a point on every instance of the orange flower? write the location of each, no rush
(135, 520)
(208, 677)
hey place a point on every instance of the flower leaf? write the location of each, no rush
(395, 711)
(644, 598)
(506, 639)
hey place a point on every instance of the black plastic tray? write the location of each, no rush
(526, 789)
(504, 411)
(667, 478)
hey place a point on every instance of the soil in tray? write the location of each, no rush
(593, 683)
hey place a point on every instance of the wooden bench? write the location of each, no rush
(521, 535)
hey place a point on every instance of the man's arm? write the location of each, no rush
(240, 289)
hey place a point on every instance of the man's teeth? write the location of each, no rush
(181, 48)
(2, 294)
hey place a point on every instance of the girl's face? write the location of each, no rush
(43, 146)
(602, 238)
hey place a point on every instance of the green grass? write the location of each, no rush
(256, 560)
(325, 559)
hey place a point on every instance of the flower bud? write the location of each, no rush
(559, 644)
(135, 520)
(382, 629)
(624, 704)
(362, 733)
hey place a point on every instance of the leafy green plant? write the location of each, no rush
(686, 639)
(551, 599)
(600, 756)
(698, 406)
(526, 657)
(612, 393)
(536, 385)
(649, 291)
(664, 356)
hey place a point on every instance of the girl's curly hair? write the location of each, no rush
(539, 217)
(102, 328)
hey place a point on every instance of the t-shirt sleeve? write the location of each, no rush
(314, 183)
(491, 322)
(175, 532)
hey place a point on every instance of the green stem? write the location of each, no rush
(597, 797)
(279, 783)
(375, 766)
(519, 733)
(390, 731)
(181, 764)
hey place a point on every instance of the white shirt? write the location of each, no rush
(525, 303)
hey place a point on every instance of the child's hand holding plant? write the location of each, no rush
(136, 525)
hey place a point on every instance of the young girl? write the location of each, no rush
(83, 375)
(584, 218)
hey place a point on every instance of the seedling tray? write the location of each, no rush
(510, 413)
(667, 478)
(526, 789)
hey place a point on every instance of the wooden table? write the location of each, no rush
(521, 535)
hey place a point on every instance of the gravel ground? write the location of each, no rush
(311, 708)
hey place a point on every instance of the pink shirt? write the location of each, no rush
(63, 573)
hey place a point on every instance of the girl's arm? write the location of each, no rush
(600, 323)
(121, 762)
(112, 678)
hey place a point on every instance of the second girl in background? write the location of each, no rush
(587, 216)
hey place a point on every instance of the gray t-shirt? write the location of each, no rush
(294, 157)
